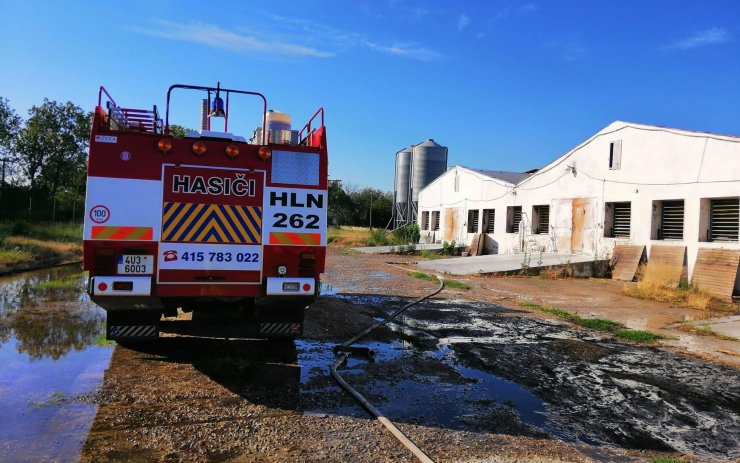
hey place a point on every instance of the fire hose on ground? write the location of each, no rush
(344, 350)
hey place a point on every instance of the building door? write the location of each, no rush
(583, 223)
(562, 223)
(574, 222)
(452, 224)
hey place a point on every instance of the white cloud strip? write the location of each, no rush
(216, 37)
(408, 50)
(713, 36)
(462, 22)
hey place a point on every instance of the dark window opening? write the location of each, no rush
(541, 219)
(489, 219)
(513, 218)
(473, 219)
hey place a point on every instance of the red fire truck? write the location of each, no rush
(231, 230)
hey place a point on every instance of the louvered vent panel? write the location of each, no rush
(622, 219)
(491, 220)
(672, 220)
(473, 220)
(517, 217)
(543, 224)
(724, 219)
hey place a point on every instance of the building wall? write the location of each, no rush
(656, 165)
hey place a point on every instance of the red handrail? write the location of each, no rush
(100, 96)
(308, 125)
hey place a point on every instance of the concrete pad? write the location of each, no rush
(387, 249)
(501, 262)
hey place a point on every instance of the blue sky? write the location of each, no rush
(506, 85)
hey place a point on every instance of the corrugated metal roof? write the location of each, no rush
(511, 177)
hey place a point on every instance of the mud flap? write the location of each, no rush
(281, 329)
(280, 318)
(132, 325)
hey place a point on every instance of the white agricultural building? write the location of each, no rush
(629, 183)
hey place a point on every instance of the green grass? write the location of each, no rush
(642, 336)
(666, 460)
(423, 276)
(43, 241)
(551, 310)
(456, 284)
(102, 341)
(60, 232)
(14, 256)
(705, 330)
(447, 283)
(598, 324)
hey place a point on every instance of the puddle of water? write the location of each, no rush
(380, 275)
(327, 290)
(459, 403)
(48, 359)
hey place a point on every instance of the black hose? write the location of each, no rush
(418, 453)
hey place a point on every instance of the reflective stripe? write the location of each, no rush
(135, 331)
(313, 239)
(280, 328)
(121, 233)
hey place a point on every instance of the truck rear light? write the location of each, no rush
(199, 148)
(105, 261)
(232, 151)
(307, 264)
(102, 287)
(122, 285)
(292, 286)
(164, 145)
(264, 153)
(307, 287)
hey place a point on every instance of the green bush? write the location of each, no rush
(408, 234)
(20, 228)
(449, 248)
(378, 237)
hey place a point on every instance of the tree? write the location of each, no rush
(53, 147)
(381, 207)
(341, 209)
(349, 205)
(179, 131)
(10, 123)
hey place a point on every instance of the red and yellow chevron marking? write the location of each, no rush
(312, 239)
(121, 233)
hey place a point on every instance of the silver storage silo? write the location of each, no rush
(401, 187)
(428, 161)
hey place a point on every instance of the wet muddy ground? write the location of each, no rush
(466, 380)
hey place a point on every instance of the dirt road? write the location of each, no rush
(466, 380)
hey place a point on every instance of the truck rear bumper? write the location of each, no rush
(290, 286)
(120, 286)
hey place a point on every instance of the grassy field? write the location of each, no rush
(31, 242)
(347, 236)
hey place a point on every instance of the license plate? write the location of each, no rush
(135, 265)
